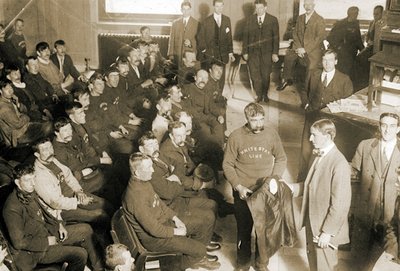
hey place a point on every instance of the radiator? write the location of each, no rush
(109, 43)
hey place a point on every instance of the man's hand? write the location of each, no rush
(323, 240)
(171, 58)
(275, 58)
(301, 52)
(147, 83)
(180, 231)
(243, 191)
(187, 43)
(174, 178)
(123, 130)
(116, 134)
(3, 254)
(52, 240)
(231, 57)
(161, 80)
(246, 57)
(178, 222)
(221, 119)
(62, 231)
(55, 98)
(105, 159)
(83, 199)
(86, 171)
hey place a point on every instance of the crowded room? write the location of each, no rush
(232, 135)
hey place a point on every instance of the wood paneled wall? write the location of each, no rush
(76, 21)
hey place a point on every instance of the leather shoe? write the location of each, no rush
(211, 258)
(205, 264)
(284, 84)
(213, 247)
(216, 238)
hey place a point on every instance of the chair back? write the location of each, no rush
(122, 232)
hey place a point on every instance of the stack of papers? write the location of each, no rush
(354, 103)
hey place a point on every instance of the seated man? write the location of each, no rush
(115, 124)
(24, 95)
(79, 156)
(157, 64)
(44, 94)
(157, 226)
(64, 62)
(50, 72)
(175, 152)
(214, 91)
(60, 190)
(180, 194)
(119, 258)
(163, 118)
(15, 125)
(199, 100)
(188, 67)
(38, 237)
(81, 95)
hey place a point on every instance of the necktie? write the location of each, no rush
(325, 82)
(219, 21)
(259, 21)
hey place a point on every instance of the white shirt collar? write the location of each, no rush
(262, 17)
(330, 76)
(217, 16)
(388, 147)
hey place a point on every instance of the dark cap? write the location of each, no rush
(204, 173)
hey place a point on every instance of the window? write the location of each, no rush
(160, 12)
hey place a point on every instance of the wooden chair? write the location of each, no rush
(122, 232)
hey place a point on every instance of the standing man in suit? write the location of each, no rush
(377, 161)
(326, 198)
(345, 39)
(307, 42)
(324, 86)
(215, 39)
(183, 34)
(260, 48)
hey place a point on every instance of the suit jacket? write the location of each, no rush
(267, 40)
(68, 66)
(327, 197)
(206, 38)
(179, 33)
(366, 161)
(310, 36)
(277, 232)
(339, 88)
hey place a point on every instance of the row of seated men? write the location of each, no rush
(82, 136)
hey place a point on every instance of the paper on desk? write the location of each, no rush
(352, 104)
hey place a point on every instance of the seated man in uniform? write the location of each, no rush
(157, 226)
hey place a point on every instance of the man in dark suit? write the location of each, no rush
(324, 86)
(183, 34)
(215, 38)
(345, 39)
(307, 42)
(260, 48)
(63, 61)
(39, 236)
(326, 198)
(377, 161)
